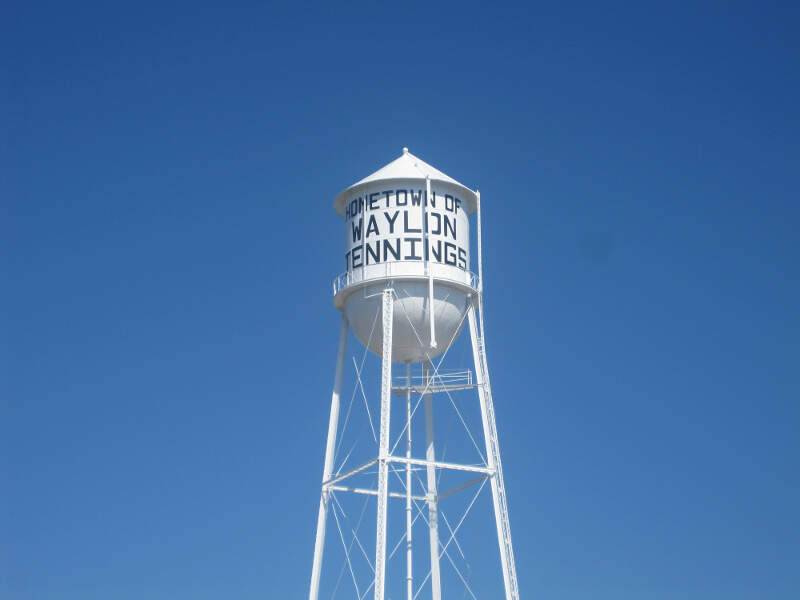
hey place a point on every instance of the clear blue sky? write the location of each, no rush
(168, 242)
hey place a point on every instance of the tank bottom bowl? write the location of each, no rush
(411, 324)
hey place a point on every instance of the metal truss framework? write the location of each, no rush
(389, 463)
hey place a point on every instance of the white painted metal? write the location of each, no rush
(477, 335)
(493, 460)
(461, 487)
(409, 224)
(433, 511)
(333, 424)
(383, 448)
(406, 167)
(437, 464)
(368, 492)
(411, 338)
(337, 478)
(480, 244)
(450, 380)
(409, 515)
(424, 302)
(364, 225)
(426, 233)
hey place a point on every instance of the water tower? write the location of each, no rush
(406, 293)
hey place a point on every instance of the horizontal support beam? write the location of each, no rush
(463, 486)
(342, 488)
(440, 465)
(433, 389)
(355, 471)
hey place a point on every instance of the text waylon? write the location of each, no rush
(402, 225)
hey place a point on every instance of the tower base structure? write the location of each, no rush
(429, 384)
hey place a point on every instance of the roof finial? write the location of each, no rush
(405, 150)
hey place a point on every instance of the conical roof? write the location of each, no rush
(407, 167)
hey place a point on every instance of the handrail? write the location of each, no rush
(348, 278)
(441, 377)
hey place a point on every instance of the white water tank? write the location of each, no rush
(397, 235)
